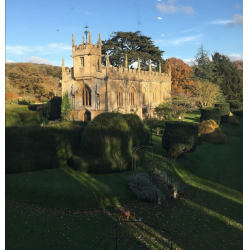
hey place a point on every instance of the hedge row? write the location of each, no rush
(210, 114)
(23, 119)
(224, 111)
(38, 148)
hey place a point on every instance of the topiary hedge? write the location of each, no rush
(179, 137)
(139, 133)
(53, 108)
(235, 106)
(12, 119)
(211, 113)
(211, 132)
(38, 148)
(108, 139)
(224, 111)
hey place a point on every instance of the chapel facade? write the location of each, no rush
(94, 88)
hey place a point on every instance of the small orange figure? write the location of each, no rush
(126, 214)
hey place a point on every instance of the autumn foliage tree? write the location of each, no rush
(181, 75)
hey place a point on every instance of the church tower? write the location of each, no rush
(86, 57)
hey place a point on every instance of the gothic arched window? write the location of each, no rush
(144, 96)
(120, 94)
(86, 96)
(154, 95)
(132, 96)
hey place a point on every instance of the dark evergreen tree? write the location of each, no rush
(203, 68)
(135, 45)
(66, 107)
(228, 76)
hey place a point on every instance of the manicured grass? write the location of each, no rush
(210, 218)
(16, 108)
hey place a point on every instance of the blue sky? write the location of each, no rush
(178, 27)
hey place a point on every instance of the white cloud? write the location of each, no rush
(52, 48)
(190, 61)
(235, 56)
(170, 7)
(35, 59)
(9, 61)
(188, 30)
(159, 17)
(179, 40)
(220, 22)
(236, 19)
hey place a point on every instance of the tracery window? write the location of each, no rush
(120, 94)
(86, 96)
(132, 94)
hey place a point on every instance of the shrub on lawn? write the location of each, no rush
(179, 137)
(31, 118)
(235, 106)
(211, 114)
(53, 108)
(211, 132)
(224, 111)
(12, 119)
(139, 133)
(36, 107)
(108, 139)
(147, 187)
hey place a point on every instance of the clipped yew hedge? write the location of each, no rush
(53, 108)
(107, 143)
(179, 137)
(211, 114)
(236, 107)
(224, 111)
(39, 148)
(139, 134)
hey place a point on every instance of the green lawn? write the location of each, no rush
(63, 209)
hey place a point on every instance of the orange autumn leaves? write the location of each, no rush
(181, 74)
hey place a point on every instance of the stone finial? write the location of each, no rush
(107, 60)
(99, 41)
(83, 40)
(139, 65)
(90, 39)
(73, 40)
(149, 66)
(169, 70)
(63, 64)
(160, 67)
(126, 61)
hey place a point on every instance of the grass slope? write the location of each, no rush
(57, 211)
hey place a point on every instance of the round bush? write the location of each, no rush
(211, 132)
(179, 137)
(108, 140)
(211, 114)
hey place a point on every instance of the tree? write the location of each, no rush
(228, 76)
(203, 68)
(66, 107)
(207, 93)
(181, 74)
(135, 45)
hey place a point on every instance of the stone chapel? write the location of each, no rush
(94, 88)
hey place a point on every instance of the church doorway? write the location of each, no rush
(87, 116)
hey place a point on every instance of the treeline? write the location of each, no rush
(34, 80)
